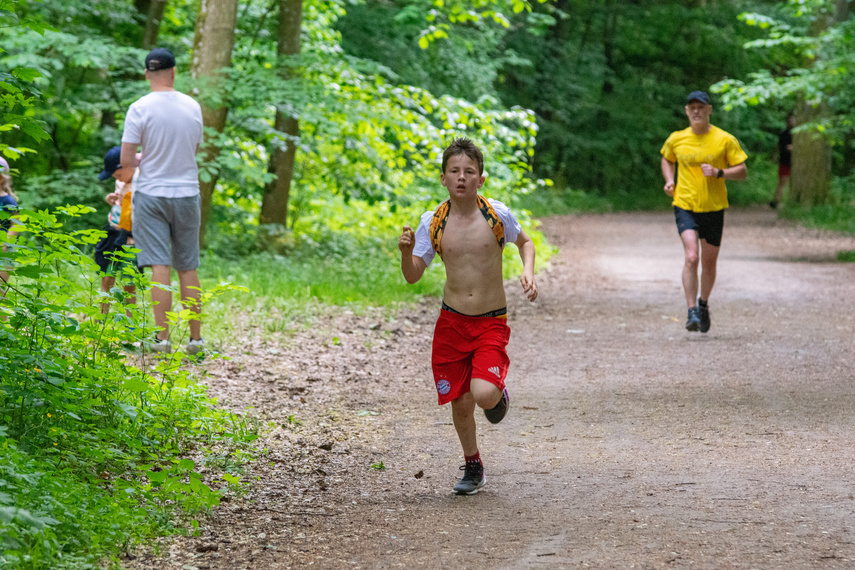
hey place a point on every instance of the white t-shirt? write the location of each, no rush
(425, 250)
(168, 126)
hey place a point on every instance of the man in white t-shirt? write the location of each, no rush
(167, 125)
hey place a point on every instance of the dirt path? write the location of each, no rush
(630, 442)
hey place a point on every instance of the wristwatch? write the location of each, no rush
(720, 173)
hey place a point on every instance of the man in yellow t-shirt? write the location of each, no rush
(706, 156)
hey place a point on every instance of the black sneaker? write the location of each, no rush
(704, 315)
(497, 412)
(472, 480)
(693, 323)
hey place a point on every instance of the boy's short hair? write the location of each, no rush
(463, 146)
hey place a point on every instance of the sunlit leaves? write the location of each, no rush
(815, 65)
(759, 20)
(446, 14)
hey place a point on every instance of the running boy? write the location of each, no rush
(469, 359)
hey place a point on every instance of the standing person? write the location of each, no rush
(707, 156)
(119, 226)
(785, 156)
(9, 204)
(469, 357)
(167, 125)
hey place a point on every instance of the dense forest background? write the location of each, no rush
(325, 123)
(566, 96)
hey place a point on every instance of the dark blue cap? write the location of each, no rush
(159, 58)
(112, 162)
(698, 96)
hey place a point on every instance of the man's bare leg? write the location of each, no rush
(690, 266)
(191, 298)
(107, 282)
(161, 299)
(709, 263)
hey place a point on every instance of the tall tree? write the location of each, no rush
(274, 204)
(212, 53)
(811, 177)
(153, 11)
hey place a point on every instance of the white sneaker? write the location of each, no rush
(195, 346)
(157, 345)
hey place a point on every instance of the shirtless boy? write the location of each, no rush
(469, 358)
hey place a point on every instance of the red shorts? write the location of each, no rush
(783, 170)
(467, 347)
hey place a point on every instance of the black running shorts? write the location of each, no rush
(709, 225)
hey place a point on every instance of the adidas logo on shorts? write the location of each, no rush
(496, 370)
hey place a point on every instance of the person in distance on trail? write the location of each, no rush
(785, 153)
(167, 125)
(469, 356)
(703, 156)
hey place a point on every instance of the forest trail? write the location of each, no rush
(630, 442)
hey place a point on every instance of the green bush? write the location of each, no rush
(92, 442)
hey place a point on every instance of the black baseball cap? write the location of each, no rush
(698, 96)
(112, 162)
(159, 58)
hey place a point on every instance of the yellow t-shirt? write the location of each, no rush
(694, 191)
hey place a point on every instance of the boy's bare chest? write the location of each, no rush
(470, 236)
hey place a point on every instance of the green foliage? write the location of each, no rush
(61, 188)
(836, 215)
(81, 74)
(369, 149)
(464, 64)
(606, 84)
(92, 444)
(443, 15)
(609, 85)
(18, 95)
(812, 51)
(551, 201)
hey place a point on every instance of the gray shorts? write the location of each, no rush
(166, 230)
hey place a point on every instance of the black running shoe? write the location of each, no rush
(472, 480)
(693, 323)
(704, 315)
(497, 412)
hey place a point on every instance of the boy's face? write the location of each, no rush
(124, 174)
(461, 176)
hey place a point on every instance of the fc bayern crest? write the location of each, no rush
(443, 386)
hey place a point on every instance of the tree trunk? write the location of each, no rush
(212, 51)
(154, 17)
(810, 180)
(274, 204)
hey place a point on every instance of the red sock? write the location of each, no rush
(473, 458)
